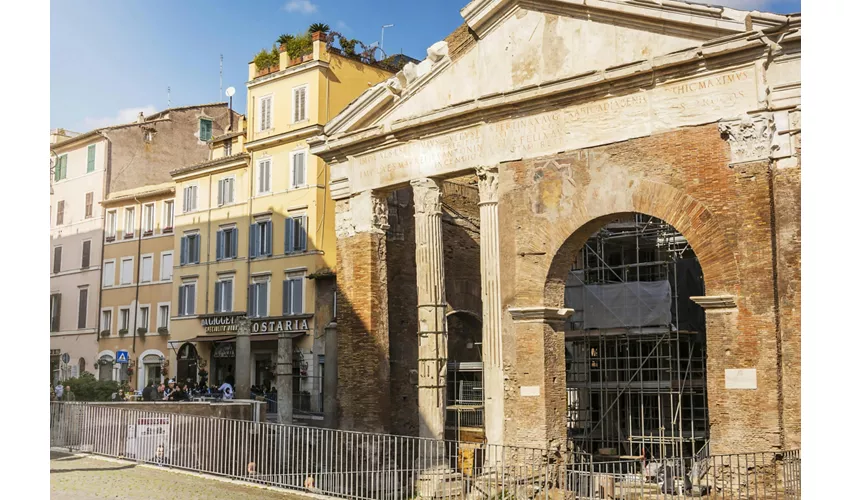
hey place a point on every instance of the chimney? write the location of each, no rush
(141, 118)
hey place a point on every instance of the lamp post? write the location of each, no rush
(383, 54)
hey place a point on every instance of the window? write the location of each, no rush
(60, 169)
(206, 129)
(228, 147)
(299, 169)
(225, 190)
(299, 104)
(106, 320)
(296, 234)
(129, 221)
(224, 295)
(108, 273)
(111, 224)
(60, 212)
(265, 113)
(190, 198)
(57, 259)
(149, 133)
(258, 298)
(190, 249)
(124, 318)
(55, 311)
(144, 317)
(86, 255)
(163, 316)
(90, 158)
(89, 204)
(126, 270)
(147, 268)
(186, 300)
(226, 243)
(260, 244)
(166, 266)
(147, 219)
(264, 176)
(82, 307)
(293, 293)
(167, 216)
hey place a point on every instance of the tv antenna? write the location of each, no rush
(220, 73)
(229, 92)
(169, 97)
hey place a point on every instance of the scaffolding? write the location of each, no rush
(635, 346)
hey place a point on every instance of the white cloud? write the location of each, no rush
(342, 27)
(125, 115)
(743, 4)
(301, 6)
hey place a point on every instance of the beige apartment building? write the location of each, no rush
(135, 309)
(255, 224)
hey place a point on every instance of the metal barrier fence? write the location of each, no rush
(377, 466)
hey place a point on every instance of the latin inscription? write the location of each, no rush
(584, 125)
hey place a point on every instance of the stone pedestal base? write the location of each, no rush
(440, 483)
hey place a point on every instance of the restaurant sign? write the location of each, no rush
(221, 323)
(224, 350)
(280, 325)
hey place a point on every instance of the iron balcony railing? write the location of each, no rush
(360, 465)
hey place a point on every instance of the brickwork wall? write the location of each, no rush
(363, 340)
(683, 177)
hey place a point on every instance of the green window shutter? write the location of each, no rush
(90, 164)
(206, 130)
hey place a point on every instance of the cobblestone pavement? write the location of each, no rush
(74, 477)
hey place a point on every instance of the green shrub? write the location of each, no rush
(300, 45)
(265, 59)
(87, 388)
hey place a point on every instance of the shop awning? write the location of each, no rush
(212, 338)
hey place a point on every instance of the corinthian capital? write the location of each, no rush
(488, 183)
(426, 196)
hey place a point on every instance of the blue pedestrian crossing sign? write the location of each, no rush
(122, 357)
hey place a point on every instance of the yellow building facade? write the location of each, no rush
(136, 301)
(255, 229)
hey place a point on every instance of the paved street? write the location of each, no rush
(80, 478)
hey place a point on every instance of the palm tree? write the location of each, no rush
(284, 39)
(318, 27)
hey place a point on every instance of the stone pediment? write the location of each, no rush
(517, 44)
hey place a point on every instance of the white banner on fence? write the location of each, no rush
(148, 439)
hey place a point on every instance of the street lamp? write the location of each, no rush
(382, 39)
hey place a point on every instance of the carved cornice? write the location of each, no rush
(488, 184)
(716, 301)
(427, 196)
(750, 138)
(540, 314)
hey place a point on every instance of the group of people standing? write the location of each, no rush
(173, 391)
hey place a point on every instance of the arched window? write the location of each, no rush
(82, 364)
(187, 363)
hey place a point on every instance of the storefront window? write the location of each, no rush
(187, 363)
(104, 370)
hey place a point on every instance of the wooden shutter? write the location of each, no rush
(252, 243)
(185, 199)
(89, 203)
(252, 307)
(90, 159)
(221, 192)
(60, 212)
(230, 183)
(217, 304)
(190, 299)
(57, 312)
(219, 245)
(194, 197)
(196, 248)
(86, 254)
(181, 294)
(269, 250)
(83, 306)
(288, 235)
(297, 290)
(184, 246)
(262, 298)
(57, 259)
(234, 242)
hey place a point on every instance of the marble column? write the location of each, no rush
(431, 303)
(283, 378)
(243, 359)
(491, 306)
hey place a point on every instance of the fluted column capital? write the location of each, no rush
(427, 196)
(488, 183)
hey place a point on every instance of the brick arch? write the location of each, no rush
(688, 215)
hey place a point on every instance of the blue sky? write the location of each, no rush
(111, 59)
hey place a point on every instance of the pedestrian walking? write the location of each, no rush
(59, 390)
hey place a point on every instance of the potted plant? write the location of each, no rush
(141, 331)
(162, 330)
(129, 371)
(122, 332)
(104, 333)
